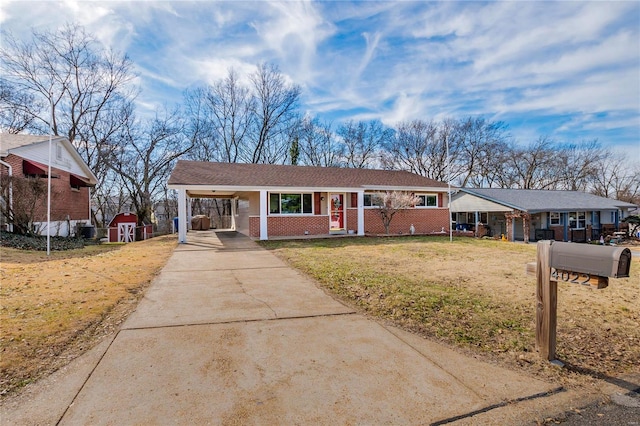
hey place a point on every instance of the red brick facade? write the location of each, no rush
(425, 221)
(65, 200)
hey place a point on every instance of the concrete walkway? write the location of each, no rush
(228, 334)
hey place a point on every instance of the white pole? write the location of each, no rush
(49, 183)
(449, 191)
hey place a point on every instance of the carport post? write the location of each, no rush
(264, 206)
(182, 216)
(360, 212)
(233, 213)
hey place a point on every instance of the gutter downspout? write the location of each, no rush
(8, 166)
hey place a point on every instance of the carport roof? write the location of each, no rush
(536, 200)
(195, 173)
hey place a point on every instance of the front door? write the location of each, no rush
(126, 232)
(336, 212)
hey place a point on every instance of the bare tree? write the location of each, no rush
(421, 147)
(15, 116)
(317, 144)
(535, 166)
(274, 112)
(145, 162)
(22, 201)
(578, 164)
(617, 178)
(362, 142)
(389, 203)
(83, 84)
(221, 118)
(410, 148)
(79, 89)
(479, 143)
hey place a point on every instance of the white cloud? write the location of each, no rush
(392, 60)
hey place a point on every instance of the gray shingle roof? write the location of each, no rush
(270, 175)
(534, 200)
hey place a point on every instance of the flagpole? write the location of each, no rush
(449, 191)
(49, 182)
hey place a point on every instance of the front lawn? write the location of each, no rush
(55, 307)
(474, 294)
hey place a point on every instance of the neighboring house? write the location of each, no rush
(28, 156)
(529, 214)
(284, 201)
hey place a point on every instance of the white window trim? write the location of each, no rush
(427, 194)
(577, 220)
(290, 214)
(371, 198)
(551, 219)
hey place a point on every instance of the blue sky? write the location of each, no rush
(569, 70)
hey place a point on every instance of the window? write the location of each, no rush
(290, 203)
(554, 218)
(577, 219)
(471, 218)
(427, 200)
(371, 201)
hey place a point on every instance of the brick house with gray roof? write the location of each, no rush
(530, 214)
(288, 201)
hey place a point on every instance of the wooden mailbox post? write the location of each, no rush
(573, 263)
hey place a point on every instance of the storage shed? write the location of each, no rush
(122, 228)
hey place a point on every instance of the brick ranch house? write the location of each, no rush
(287, 201)
(530, 214)
(27, 156)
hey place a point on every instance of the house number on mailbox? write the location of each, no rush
(570, 277)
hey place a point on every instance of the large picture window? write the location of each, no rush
(282, 203)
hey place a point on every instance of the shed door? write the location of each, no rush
(126, 232)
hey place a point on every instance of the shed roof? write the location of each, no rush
(539, 200)
(270, 175)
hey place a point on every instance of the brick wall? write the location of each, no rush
(352, 220)
(425, 221)
(254, 226)
(558, 232)
(284, 226)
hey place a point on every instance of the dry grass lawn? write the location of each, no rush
(472, 294)
(475, 295)
(54, 308)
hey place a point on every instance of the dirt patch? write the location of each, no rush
(55, 308)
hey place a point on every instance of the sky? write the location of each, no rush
(567, 70)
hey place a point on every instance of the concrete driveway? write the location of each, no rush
(228, 334)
